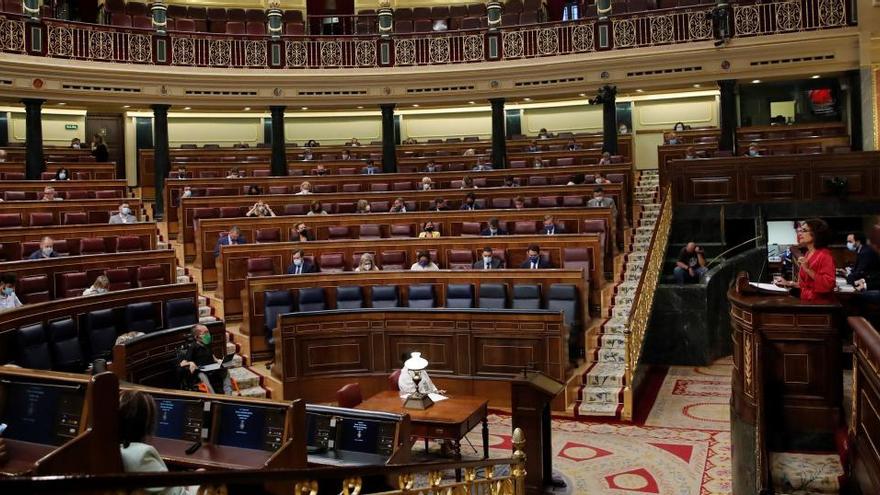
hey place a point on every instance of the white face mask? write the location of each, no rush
(851, 246)
(47, 251)
(62, 175)
(368, 266)
(187, 193)
(487, 259)
(298, 262)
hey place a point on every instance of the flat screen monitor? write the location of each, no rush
(248, 426)
(366, 436)
(180, 419)
(43, 413)
(781, 234)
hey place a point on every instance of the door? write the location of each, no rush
(111, 127)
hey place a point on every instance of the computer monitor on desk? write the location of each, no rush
(248, 426)
(179, 419)
(351, 437)
(44, 413)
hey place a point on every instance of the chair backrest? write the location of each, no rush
(526, 296)
(10, 219)
(259, 267)
(493, 296)
(312, 299)
(401, 230)
(92, 245)
(33, 289)
(331, 262)
(369, 231)
(470, 228)
(421, 296)
(524, 228)
(570, 201)
(72, 284)
(33, 349)
(101, 333)
(120, 278)
(127, 243)
(349, 297)
(275, 302)
(71, 195)
(385, 296)
(460, 296)
(267, 235)
(230, 212)
(151, 276)
(393, 380)
(548, 201)
(460, 259)
(349, 396)
(295, 209)
(41, 219)
(500, 203)
(393, 260)
(338, 232)
(577, 258)
(563, 297)
(140, 317)
(64, 345)
(181, 312)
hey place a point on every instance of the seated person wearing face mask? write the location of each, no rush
(424, 263)
(301, 265)
(200, 354)
(367, 264)
(47, 245)
(8, 299)
(124, 215)
(260, 209)
(101, 286)
(429, 231)
(470, 203)
(488, 262)
(303, 234)
(867, 265)
(49, 194)
(62, 174)
(599, 200)
(534, 260)
(493, 229)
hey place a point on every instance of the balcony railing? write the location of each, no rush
(70, 40)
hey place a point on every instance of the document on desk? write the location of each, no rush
(437, 397)
(209, 367)
(768, 287)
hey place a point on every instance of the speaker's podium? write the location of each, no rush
(787, 378)
(530, 397)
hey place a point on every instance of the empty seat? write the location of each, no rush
(385, 296)
(181, 312)
(267, 235)
(349, 396)
(369, 231)
(108, 194)
(570, 201)
(295, 209)
(140, 317)
(185, 25)
(349, 297)
(100, 332)
(259, 267)
(576, 258)
(230, 212)
(64, 345)
(75, 218)
(421, 296)
(398, 230)
(403, 25)
(275, 302)
(120, 278)
(524, 228)
(151, 276)
(92, 245)
(423, 25)
(459, 296)
(470, 228)
(312, 299)
(41, 219)
(548, 201)
(142, 22)
(127, 243)
(72, 284)
(331, 262)
(338, 232)
(14, 196)
(501, 203)
(33, 289)
(121, 20)
(563, 297)
(256, 28)
(393, 260)
(537, 180)
(71, 195)
(526, 296)
(595, 226)
(471, 23)
(460, 259)
(235, 27)
(378, 187)
(493, 296)
(33, 348)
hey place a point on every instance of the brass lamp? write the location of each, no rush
(415, 365)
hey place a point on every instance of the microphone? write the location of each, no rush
(731, 249)
(193, 448)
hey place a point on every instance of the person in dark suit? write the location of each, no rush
(493, 229)
(488, 261)
(867, 261)
(470, 202)
(232, 237)
(99, 149)
(551, 227)
(47, 250)
(535, 261)
(371, 168)
(301, 265)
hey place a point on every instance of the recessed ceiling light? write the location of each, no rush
(416, 105)
(187, 108)
(756, 81)
(696, 85)
(472, 102)
(640, 91)
(247, 109)
(61, 103)
(817, 76)
(304, 108)
(582, 95)
(126, 106)
(360, 106)
(527, 99)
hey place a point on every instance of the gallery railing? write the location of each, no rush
(71, 40)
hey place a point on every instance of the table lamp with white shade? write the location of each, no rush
(415, 365)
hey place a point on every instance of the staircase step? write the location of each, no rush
(615, 325)
(258, 391)
(203, 301)
(230, 348)
(611, 355)
(204, 310)
(244, 377)
(612, 340)
(604, 375)
(207, 319)
(181, 271)
(599, 395)
(803, 473)
(597, 409)
(183, 279)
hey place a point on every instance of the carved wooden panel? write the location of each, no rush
(711, 189)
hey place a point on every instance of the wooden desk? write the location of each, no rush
(23, 456)
(210, 456)
(449, 419)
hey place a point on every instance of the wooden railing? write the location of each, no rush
(78, 41)
(643, 301)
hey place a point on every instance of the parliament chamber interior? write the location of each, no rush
(508, 247)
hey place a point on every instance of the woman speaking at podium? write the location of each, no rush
(816, 267)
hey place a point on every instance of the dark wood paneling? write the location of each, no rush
(11, 238)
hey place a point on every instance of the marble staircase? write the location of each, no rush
(601, 390)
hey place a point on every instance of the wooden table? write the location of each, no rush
(450, 419)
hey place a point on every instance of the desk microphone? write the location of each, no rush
(193, 448)
(731, 249)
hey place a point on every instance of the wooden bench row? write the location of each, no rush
(45, 213)
(14, 170)
(19, 242)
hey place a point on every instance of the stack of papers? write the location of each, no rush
(768, 287)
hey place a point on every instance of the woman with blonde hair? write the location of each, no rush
(101, 286)
(305, 188)
(367, 264)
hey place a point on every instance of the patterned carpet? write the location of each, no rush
(684, 448)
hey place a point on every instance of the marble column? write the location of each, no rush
(161, 156)
(279, 151)
(499, 134)
(34, 163)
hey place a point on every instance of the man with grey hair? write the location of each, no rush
(47, 249)
(124, 215)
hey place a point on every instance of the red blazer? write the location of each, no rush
(822, 286)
